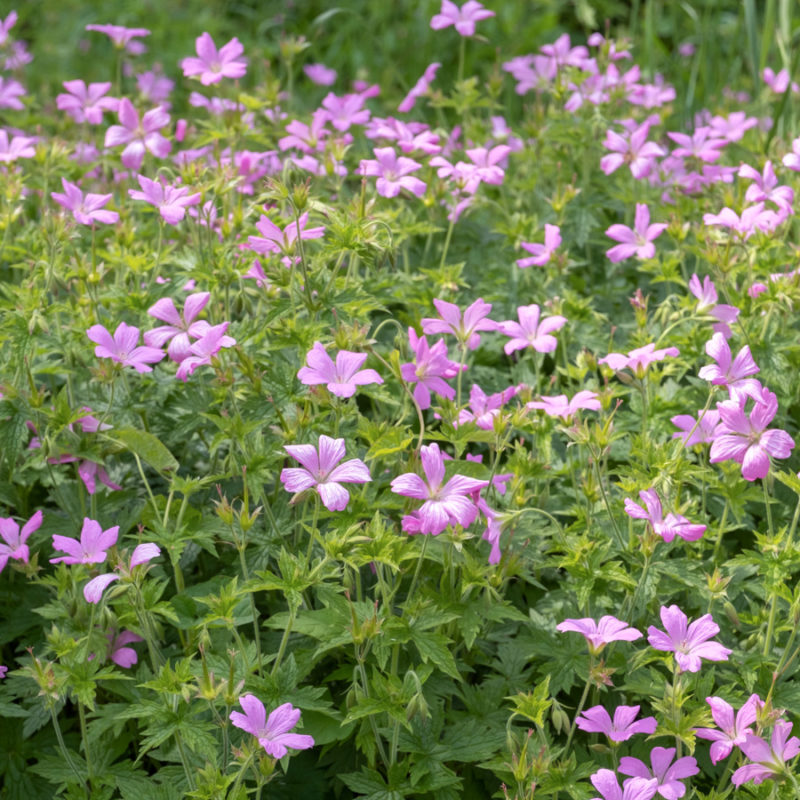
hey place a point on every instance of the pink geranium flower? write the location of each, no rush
(484, 409)
(560, 406)
(213, 65)
(632, 148)
(322, 472)
(769, 758)
(702, 432)
(701, 144)
(419, 88)
(86, 210)
(639, 359)
(666, 527)
(706, 295)
(688, 642)
(430, 370)
(745, 438)
(731, 373)
(346, 110)
(91, 549)
(621, 728)
(10, 92)
(599, 634)
(86, 103)
(661, 768)
(178, 328)
(342, 377)
(607, 783)
(465, 328)
(139, 136)
(123, 347)
(733, 730)
(393, 173)
(444, 503)
(204, 349)
(765, 188)
(792, 160)
(118, 650)
(142, 554)
(463, 18)
(14, 541)
(277, 240)
(320, 74)
(16, 147)
(170, 201)
(541, 253)
(636, 241)
(119, 35)
(272, 732)
(530, 331)
(753, 218)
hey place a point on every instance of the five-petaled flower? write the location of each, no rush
(530, 331)
(768, 758)
(430, 368)
(607, 783)
(393, 173)
(171, 201)
(661, 768)
(689, 642)
(86, 103)
(541, 253)
(445, 504)
(463, 19)
(621, 728)
(666, 527)
(636, 241)
(733, 728)
(92, 547)
(731, 373)
(124, 347)
(465, 328)
(139, 136)
(178, 328)
(341, 377)
(272, 732)
(321, 471)
(14, 540)
(639, 359)
(598, 634)
(213, 65)
(566, 408)
(86, 209)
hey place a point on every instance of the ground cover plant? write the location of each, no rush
(399, 430)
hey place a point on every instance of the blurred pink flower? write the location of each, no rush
(393, 173)
(14, 541)
(661, 768)
(320, 74)
(666, 527)
(639, 359)
(560, 406)
(119, 35)
(213, 65)
(731, 373)
(341, 378)
(170, 201)
(732, 730)
(636, 241)
(138, 136)
(607, 783)
(419, 88)
(463, 18)
(275, 240)
(429, 370)
(541, 253)
(86, 103)
(464, 327)
(10, 92)
(599, 634)
(621, 728)
(85, 209)
(703, 432)
(178, 328)
(204, 349)
(769, 758)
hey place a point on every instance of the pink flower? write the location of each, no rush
(6, 25)
(765, 188)
(463, 18)
(636, 241)
(745, 439)
(155, 87)
(560, 406)
(530, 331)
(732, 730)
(632, 148)
(17, 147)
(275, 240)
(307, 138)
(346, 110)
(667, 774)
(666, 527)
(486, 163)
(419, 88)
(541, 253)
(701, 144)
(732, 128)
(465, 329)
(707, 297)
(769, 759)
(91, 549)
(86, 103)
(599, 634)
(170, 201)
(10, 92)
(123, 348)
(213, 65)
(322, 471)
(142, 554)
(429, 370)
(753, 218)
(204, 349)
(272, 732)
(639, 359)
(702, 432)
(3, 671)
(119, 35)
(448, 504)
(86, 210)
(120, 654)
(732, 374)
(779, 82)
(14, 541)
(689, 642)
(792, 160)
(320, 74)
(483, 408)
(607, 783)
(623, 726)
(139, 137)
(341, 378)
(393, 173)
(178, 329)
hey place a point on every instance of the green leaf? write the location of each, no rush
(435, 647)
(148, 447)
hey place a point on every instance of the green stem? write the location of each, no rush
(418, 569)
(461, 365)
(446, 247)
(774, 596)
(580, 704)
(253, 609)
(85, 738)
(284, 640)
(607, 503)
(63, 747)
(462, 47)
(720, 531)
(184, 761)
